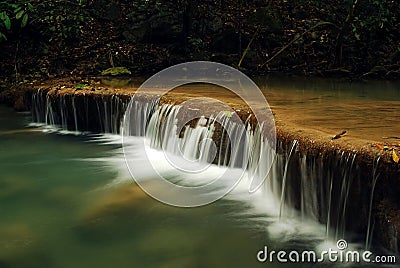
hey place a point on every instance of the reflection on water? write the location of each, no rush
(368, 111)
(322, 88)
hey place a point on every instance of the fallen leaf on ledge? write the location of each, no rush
(379, 146)
(395, 157)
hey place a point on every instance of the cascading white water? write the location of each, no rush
(162, 133)
(77, 112)
(294, 144)
(38, 105)
(243, 148)
(346, 182)
(50, 116)
(309, 188)
(314, 197)
(375, 176)
(319, 188)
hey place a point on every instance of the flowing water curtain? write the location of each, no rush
(137, 116)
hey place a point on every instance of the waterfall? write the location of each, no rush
(323, 187)
(319, 188)
(50, 117)
(78, 112)
(375, 177)
(75, 114)
(38, 106)
(285, 176)
(138, 113)
(345, 167)
(328, 218)
(159, 126)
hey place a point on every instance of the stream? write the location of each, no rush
(67, 200)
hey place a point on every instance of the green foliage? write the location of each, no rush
(79, 86)
(375, 19)
(58, 20)
(196, 43)
(14, 12)
(61, 21)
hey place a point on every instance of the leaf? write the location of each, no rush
(3, 37)
(79, 86)
(3, 16)
(395, 157)
(19, 14)
(24, 20)
(7, 23)
(380, 147)
(30, 7)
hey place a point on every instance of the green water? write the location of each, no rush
(53, 213)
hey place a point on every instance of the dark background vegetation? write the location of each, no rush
(346, 38)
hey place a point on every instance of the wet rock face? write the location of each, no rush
(6, 97)
(387, 210)
(337, 188)
(14, 98)
(19, 104)
(388, 224)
